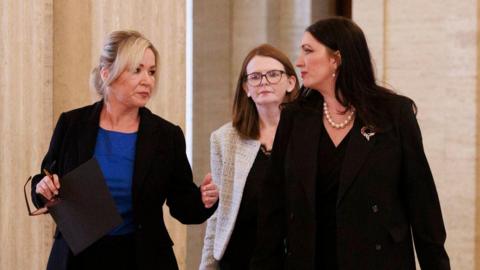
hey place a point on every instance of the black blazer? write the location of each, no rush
(386, 198)
(161, 173)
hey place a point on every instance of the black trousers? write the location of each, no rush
(110, 252)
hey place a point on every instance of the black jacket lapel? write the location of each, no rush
(147, 140)
(303, 151)
(87, 133)
(357, 152)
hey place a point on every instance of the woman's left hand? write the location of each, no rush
(209, 191)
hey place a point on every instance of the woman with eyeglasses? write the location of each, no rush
(240, 155)
(350, 187)
(141, 156)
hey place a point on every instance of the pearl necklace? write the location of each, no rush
(332, 123)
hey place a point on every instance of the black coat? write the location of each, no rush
(161, 173)
(386, 198)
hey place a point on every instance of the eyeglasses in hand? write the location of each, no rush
(40, 211)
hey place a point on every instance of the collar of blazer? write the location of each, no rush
(145, 147)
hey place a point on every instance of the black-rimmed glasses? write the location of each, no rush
(272, 76)
(39, 211)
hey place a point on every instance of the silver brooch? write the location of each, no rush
(367, 132)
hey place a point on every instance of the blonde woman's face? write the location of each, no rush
(267, 83)
(134, 88)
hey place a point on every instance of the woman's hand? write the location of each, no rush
(209, 191)
(48, 186)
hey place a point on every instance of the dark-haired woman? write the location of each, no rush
(240, 156)
(349, 166)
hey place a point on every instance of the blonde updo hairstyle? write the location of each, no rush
(121, 50)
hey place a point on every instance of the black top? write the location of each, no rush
(242, 242)
(330, 159)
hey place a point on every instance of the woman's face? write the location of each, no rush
(267, 92)
(134, 88)
(317, 64)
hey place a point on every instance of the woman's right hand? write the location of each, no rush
(48, 187)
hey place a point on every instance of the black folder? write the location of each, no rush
(86, 211)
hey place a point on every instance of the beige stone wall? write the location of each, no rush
(72, 35)
(427, 50)
(26, 102)
(477, 150)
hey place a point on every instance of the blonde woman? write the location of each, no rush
(141, 155)
(240, 155)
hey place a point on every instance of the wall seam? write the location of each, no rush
(385, 42)
(477, 152)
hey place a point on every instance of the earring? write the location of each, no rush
(248, 94)
(333, 75)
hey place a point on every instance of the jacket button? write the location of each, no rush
(375, 208)
(378, 247)
(139, 226)
(292, 216)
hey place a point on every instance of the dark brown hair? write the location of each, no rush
(356, 85)
(245, 115)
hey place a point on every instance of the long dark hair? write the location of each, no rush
(356, 86)
(244, 113)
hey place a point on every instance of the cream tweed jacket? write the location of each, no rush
(231, 159)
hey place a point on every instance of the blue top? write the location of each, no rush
(115, 152)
